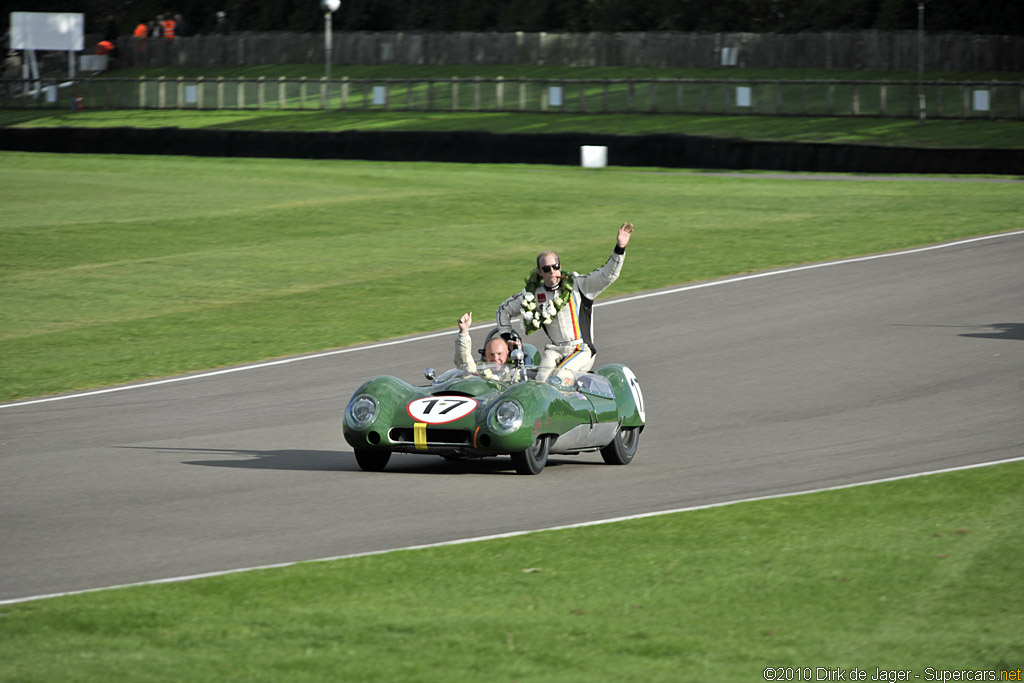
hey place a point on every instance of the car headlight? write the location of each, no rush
(362, 410)
(507, 416)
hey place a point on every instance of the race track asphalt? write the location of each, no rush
(782, 382)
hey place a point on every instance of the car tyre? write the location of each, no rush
(623, 447)
(372, 460)
(534, 458)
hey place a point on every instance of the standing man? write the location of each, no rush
(562, 305)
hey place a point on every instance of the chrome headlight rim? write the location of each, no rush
(362, 411)
(507, 416)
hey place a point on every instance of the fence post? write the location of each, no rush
(323, 92)
(476, 93)
(778, 98)
(240, 94)
(499, 92)
(161, 92)
(455, 92)
(181, 90)
(344, 92)
(282, 92)
(220, 92)
(302, 93)
(856, 100)
(200, 86)
(261, 93)
(583, 95)
(522, 94)
(992, 102)
(883, 93)
(430, 94)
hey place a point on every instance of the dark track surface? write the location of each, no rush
(798, 380)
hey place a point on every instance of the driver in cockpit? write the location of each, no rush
(495, 352)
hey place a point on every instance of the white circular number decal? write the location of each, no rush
(638, 396)
(437, 410)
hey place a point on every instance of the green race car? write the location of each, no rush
(498, 410)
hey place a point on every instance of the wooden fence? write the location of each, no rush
(961, 99)
(877, 50)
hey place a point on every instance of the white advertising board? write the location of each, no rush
(47, 31)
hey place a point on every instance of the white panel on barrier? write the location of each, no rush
(742, 96)
(93, 62)
(555, 96)
(980, 100)
(593, 156)
(380, 94)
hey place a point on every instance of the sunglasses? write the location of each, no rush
(548, 269)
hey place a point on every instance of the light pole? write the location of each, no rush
(329, 7)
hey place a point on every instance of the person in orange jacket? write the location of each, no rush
(168, 25)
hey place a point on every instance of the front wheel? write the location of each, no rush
(533, 459)
(623, 447)
(371, 460)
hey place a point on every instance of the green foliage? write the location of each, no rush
(903, 575)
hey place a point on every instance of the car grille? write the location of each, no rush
(435, 437)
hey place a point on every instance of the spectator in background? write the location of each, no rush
(179, 25)
(167, 26)
(141, 31)
(221, 27)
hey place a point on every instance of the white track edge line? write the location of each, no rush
(514, 534)
(433, 335)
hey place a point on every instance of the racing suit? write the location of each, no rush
(571, 332)
(464, 361)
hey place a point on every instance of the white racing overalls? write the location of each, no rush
(571, 332)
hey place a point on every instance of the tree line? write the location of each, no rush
(992, 17)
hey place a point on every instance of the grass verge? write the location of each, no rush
(116, 268)
(973, 132)
(906, 575)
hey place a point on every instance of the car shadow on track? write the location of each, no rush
(344, 461)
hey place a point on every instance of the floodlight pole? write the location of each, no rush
(329, 7)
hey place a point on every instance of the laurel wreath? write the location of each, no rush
(536, 314)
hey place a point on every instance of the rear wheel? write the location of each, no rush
(533, 459)
(623, 447)
(371, 460)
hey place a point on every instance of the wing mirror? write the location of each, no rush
(430, 374)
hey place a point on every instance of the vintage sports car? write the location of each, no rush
(498, 410)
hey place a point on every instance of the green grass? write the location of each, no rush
(904, 575)
(889, 132)
(116, 268)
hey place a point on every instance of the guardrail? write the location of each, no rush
(820, 98)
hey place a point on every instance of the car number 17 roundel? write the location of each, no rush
(437, 410)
